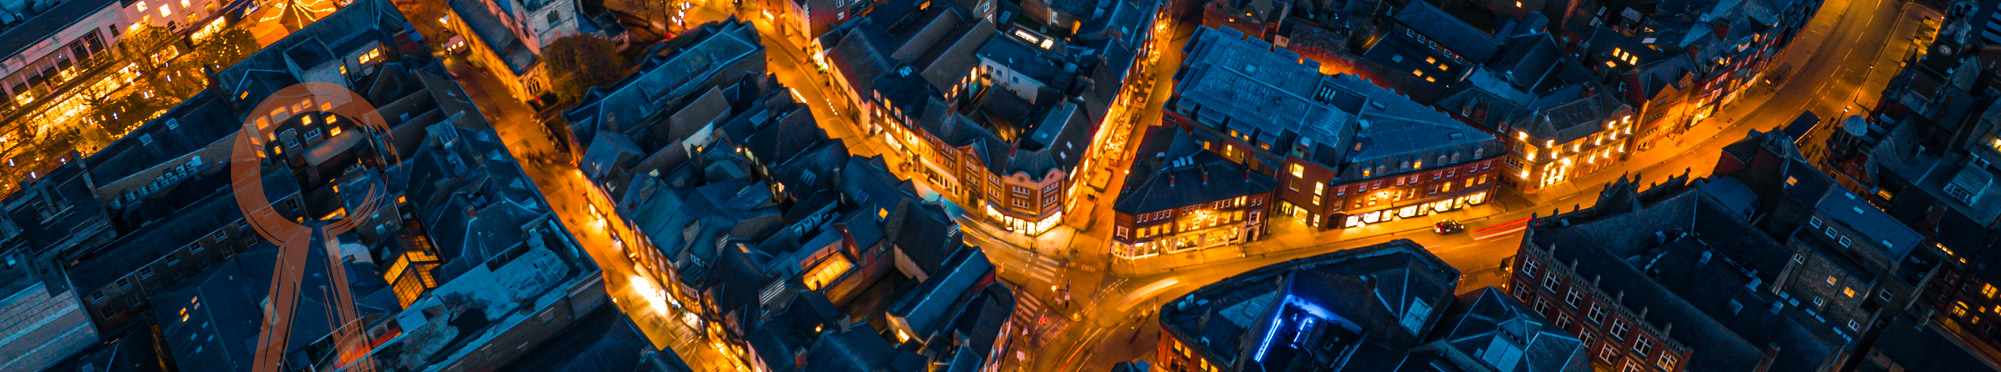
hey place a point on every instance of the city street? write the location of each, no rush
(641, 291)
(1095, 318)
(1834, 57)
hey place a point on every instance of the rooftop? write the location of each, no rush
(1408, 289)
(491, 30)
(1689, 263)
(1172, 171)
(1881, 231)
(1508, 336)
(1243, 85)
(1448, 31)
(16, 37)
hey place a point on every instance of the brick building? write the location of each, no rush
(1346, 153)
(1180, 198)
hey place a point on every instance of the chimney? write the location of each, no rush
(1643, 314)
(1204, 170)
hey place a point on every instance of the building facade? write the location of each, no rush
(1181, 198)
(1346, 153)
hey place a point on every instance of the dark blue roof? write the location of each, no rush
(1171, 171)
(927, 308)
(184, 214)
(490, 29)
(1403, 291)
(1878, 229)
(224, 309)
(1448, 31)
(1486, 319)
(1801, 125)
(1010, 51)
(63, 15)
(198, 122)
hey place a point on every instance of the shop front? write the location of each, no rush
(1422, 209)
(1021, 225)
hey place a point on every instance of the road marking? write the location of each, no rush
(1147, 292)
(1509, 223)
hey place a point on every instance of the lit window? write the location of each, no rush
(1987, 289)
(1298, 170)
(142, 8)
(166, 12)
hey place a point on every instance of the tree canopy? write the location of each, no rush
(577, 63)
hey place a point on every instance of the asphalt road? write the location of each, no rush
(1080, 317)
(1843, 58)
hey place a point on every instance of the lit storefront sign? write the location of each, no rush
(1023, 226)
(1415, 210)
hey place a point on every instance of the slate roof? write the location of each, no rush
(1393, 126)
(129, 350)
(1882, 232)
(1572, 113)
(1448, 31)
(39, 27)
(154, 143)
(223, 312)
(924, 234)
(1171, 171)
(1918, 344)
(491, 30)
(1030, 61)
(602, 340)
(1508, 336)
(852, 350)
(178, 216)
(1691, 280)
(64, 185)
(688, 65)
(363, 19)
(927, 308)
(1245, 86)
(1407, 290)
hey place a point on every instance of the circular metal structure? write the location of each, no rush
(294, 238)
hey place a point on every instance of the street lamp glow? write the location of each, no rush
(646, 289)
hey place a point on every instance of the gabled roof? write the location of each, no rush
(1690, 280)
(1171, 171)
(927, 308)
(39, 27)
(1877, 229)
(174, 219)
(1508, 336)
(1402, 289)
(1448, 31)
(491, 30)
